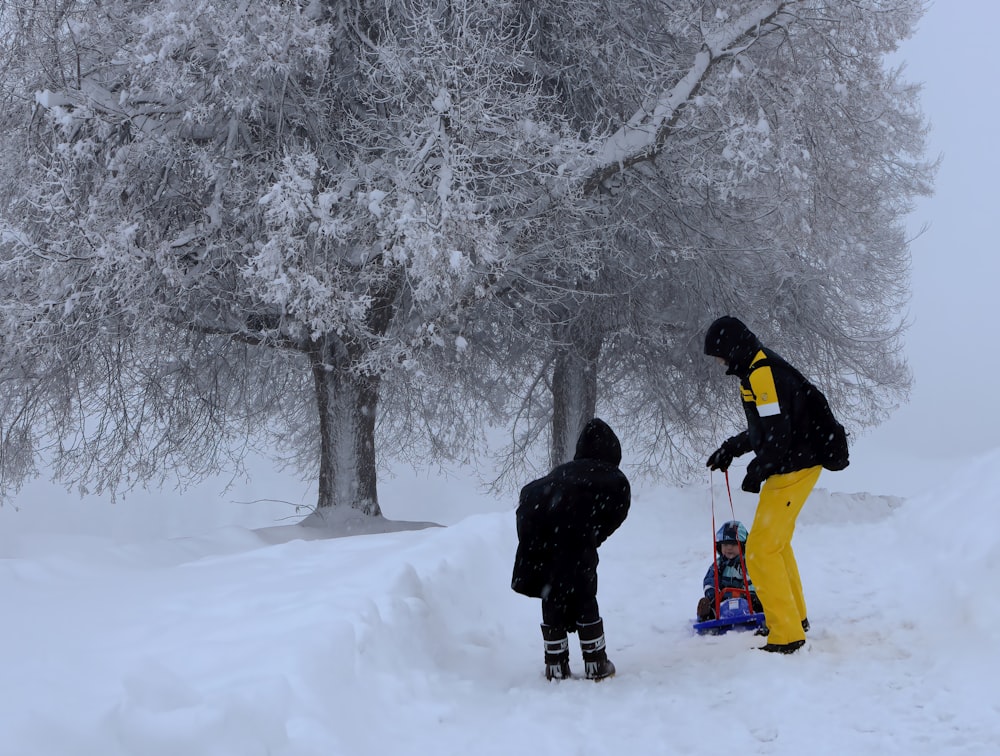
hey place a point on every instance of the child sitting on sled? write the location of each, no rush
(730, 543)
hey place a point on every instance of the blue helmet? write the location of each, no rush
(733, 531)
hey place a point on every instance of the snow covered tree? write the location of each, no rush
(765, 168)
(221, 209)
(220, 222)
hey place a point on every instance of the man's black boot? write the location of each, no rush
(783, 648)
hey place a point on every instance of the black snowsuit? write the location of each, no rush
(561, 521)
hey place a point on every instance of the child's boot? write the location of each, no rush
(595, 655)
(556, 653)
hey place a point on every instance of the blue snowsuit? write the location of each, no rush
(730, 576)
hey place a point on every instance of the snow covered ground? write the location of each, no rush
(246, 639)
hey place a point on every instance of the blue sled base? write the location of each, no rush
(734, 614)
(719, 626)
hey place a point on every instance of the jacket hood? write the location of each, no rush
(598, 441)
(729, 338)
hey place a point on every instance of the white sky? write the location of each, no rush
(952, 346)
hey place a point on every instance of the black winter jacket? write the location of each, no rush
(781, 430)
(564, 517)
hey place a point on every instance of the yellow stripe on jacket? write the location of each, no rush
(763, 392)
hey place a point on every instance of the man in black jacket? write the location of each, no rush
(561, 520)
(785, 431)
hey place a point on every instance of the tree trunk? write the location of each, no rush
(347, 403)
(574, 393)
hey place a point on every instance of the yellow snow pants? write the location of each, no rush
(770, 559)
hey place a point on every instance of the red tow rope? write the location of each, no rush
(715, 559)
(739, 546)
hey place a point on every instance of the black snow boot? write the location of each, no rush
(783, 648)
(595, 655)
(556, 653)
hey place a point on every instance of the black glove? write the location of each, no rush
(754, 477)
(721, 458)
